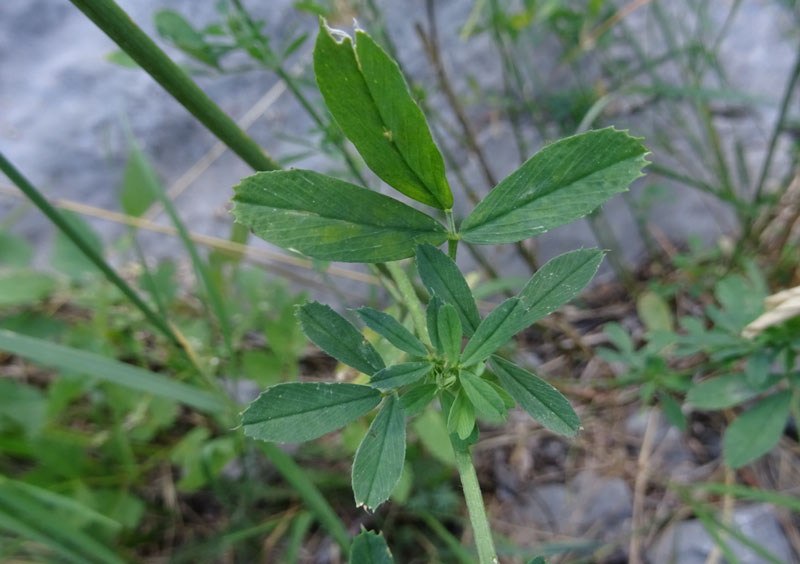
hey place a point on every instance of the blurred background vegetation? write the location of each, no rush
(132, 334)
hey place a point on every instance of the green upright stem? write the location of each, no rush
(410, 299)
(477, 511)
(115, 23)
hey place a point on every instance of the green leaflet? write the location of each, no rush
(300, 411)
(554, 284)
(493, 332)
(432, 321)
(336, 336)
(487, 402)
(559, 184)
(400, 375)
(442, 278)
(370, 548)
(449, 332)
(379, 460)
(330, 219)
(461, 416)
(541, 400)
(726, 391)
(417, 398)
(558, 281)
(394, 332)
(757, 430)
(367, 95)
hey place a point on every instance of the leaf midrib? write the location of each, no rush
(538, 195)
(309, 410)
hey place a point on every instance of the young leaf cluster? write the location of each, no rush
(451, 357)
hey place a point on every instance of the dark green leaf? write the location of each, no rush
(461, 416)
(559, 184)
(336, 336)
(541, 400)
(370, 548)
(380, 456)
(330, 219)
(724, 391)
(365, 91)
(417, 398)
(493, 332)
(432, 321)
(557, 282)
(400, 375)
(554, 284)
(757, 430)
(672, 410)
(488, 404)
(301, 411)
(442, 278)
(449, 332)
(387, 326)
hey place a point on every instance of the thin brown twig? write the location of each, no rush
(640, 485)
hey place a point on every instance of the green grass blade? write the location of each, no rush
(109, 370)
(308, 492)
(115, 23)
(27, 516)
(60, 221)
(744, 492)
(148, 175)
(297, 535)
(460, 553)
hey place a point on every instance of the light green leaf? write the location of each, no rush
(380, 457)
(541, 400)
(757, 430)
(559, 184)
(449, 332)
(330, 219)
(66, 257)
(399, 375)
(461, 417)
(488, 404)
(336, 336)
(20, 287)
(300, 411)
(432, 321)
(442, 278)
(554, 284)
(431, 428)
(23, 404)
(417, 398)
(370, 548)
(121, 58)
(725, 391)
(654, 312)
(387, 326)
(173, 27)
(672, 410)
(106, 369)
(14, 251)
(140, 185)
(365, 91)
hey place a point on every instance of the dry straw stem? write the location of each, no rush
(205, 240)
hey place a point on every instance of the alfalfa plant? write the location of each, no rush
(330, 219)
